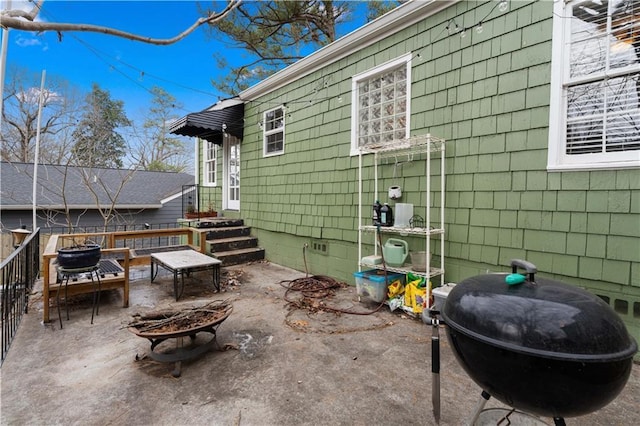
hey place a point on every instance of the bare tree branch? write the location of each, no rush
(31, 15)
(21, 20)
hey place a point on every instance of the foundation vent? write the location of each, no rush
(319, 246)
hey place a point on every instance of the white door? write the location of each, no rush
(231, 181)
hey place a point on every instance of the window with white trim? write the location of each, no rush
(380, 104)
(595, 85)
(273, 128)
(210, 151)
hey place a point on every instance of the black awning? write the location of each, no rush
(211, 125)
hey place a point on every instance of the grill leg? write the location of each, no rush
(483, 401)
(96, 295)
(65, 281)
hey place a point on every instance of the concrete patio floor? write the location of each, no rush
(280, 366)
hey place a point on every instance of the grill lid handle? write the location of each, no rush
(529, 267)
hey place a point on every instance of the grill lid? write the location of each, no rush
(538, 316)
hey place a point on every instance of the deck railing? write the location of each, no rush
(127, 247)
(19, 273)
(198, 198)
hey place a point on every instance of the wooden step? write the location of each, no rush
(220, 222)
(232, 243)
(236, 257)
(228, 232)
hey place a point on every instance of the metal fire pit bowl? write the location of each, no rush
(181, 352)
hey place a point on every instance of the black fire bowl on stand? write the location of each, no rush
(79, 257)
(541, 346)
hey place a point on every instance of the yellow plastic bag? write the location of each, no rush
(418, 299)
(408, 293)
(409, 290)
(395, 288)
(415, 296)
(418, 279)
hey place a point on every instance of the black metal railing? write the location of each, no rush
(93, 229)
(132, 243)
(148, 243)
(19, 272)
(198, 198)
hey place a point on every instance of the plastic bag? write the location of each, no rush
(395, 303)
(395, 288)
(418, 279)
(415, 296)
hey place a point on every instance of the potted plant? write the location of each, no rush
(211, 211)
(191, 212)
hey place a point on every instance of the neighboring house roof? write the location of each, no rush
(396, 20)
(211, 124)
(85, 188)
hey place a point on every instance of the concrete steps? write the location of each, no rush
(230, 241)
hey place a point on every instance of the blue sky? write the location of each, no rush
(125, 68)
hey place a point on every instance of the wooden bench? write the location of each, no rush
(51, 285)
(119, 246)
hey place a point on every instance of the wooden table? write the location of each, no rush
(183, 262)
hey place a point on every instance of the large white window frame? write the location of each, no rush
(273, 126)
(393, 121)
(209, 163)
(594, 96)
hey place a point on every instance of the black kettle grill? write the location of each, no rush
(541, 346)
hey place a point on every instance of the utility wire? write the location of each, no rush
(112, 66)
(308, 99)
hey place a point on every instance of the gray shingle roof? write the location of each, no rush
(81, 187)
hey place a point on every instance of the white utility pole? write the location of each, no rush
(3, 63)
(37, 153)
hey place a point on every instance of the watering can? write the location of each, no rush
(395, 251)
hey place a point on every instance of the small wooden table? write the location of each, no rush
(183, 262)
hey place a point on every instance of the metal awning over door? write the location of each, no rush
(211, 124)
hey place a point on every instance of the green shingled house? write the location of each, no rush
(538, 102)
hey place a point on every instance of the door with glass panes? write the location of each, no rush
(231, 169)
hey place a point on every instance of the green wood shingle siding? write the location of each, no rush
(488, 95)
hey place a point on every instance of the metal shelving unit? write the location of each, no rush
(425, 148)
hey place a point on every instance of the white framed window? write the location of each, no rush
(594, 120)
(210, 161)
(380, 104)
(273, 131)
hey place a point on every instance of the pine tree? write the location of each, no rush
(97, 142)
(278, 33)
(158, 150)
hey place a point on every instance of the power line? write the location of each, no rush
(112, 66)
